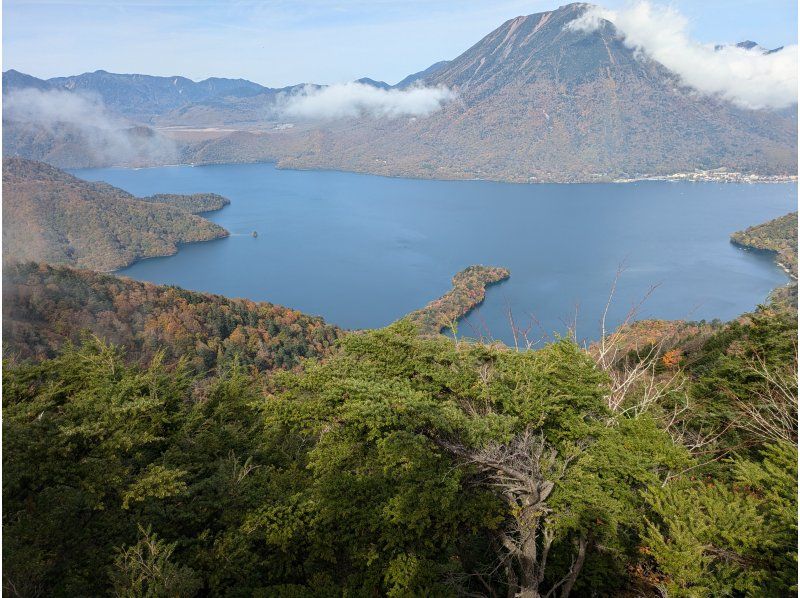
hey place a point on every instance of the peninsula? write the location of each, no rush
(51, 216)
(469, 291)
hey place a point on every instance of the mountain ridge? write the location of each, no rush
(536, 101)
(539, 102)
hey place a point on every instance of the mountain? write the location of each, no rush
(749, 44)
(69, 129)
(51, 216)
(116, 119)
(413, 78)
(15, 80)
(85, 144)
(540, 102)
(373, 83)
(141, 97)
(536, 101)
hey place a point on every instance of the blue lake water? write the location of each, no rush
(362, 250)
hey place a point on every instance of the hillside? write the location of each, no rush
(51, 216)
(44, 307)
(87, 144)
(400, 465)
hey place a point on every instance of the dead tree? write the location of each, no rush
(771, 413)
(524, 473)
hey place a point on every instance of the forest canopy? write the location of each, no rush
(408, 465)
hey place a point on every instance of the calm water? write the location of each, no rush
(363, 250)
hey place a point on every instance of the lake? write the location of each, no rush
(363, 250)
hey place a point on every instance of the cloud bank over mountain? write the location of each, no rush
(751, 78)
(53, 107)
(352, 100)
(85, 119)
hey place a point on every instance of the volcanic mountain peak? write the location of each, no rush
(540, 46)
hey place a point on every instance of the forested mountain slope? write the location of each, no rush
(45, 307)
(51, 216)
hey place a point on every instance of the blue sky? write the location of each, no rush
(282, 42)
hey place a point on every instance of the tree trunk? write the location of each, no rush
(576, 567)
(511, 577)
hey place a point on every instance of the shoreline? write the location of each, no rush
(178, 246)
(225, 233)
(678, 177)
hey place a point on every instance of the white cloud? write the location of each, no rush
(49, 108)
(350, 100)
(63, 113)
(749, 78)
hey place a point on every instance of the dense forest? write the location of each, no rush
(51, 216)
(196, 203)
(45, 307)
(403, 464)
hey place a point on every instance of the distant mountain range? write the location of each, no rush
(142, 97)
(536, 101)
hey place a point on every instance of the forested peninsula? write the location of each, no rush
(51, 216)
(778, 236)
(469, 291)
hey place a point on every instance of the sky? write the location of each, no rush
(284, 42)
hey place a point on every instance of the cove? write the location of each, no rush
(364, 250)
